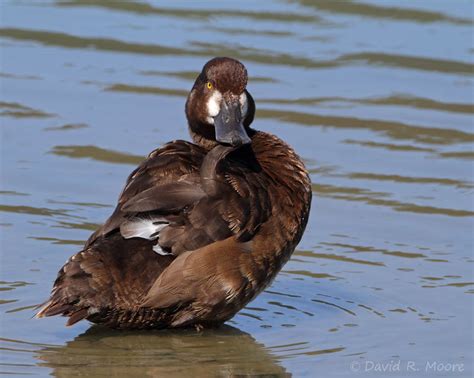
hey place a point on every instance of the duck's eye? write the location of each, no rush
(209, 85)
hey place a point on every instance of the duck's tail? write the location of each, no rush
(51, 308)
(74, 289)
(109, 276)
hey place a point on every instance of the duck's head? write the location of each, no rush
(219, 108)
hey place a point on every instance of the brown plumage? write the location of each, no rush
(199, 229)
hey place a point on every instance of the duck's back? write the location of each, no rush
(177, 161)
(195, 236)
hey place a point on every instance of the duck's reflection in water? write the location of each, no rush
(223, 352)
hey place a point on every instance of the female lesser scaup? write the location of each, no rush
(200, 229)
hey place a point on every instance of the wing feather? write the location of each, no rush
(198, 198)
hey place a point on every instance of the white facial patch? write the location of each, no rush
(243, 103)
(214, 105)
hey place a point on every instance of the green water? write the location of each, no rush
(376, 96)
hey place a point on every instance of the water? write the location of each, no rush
(375, 96)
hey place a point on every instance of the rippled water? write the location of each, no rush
(375, 96)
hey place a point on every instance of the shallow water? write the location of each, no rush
(377, 99)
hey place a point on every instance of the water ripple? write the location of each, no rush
(205, 14)
(374, 198)
(13, 109)
(97, 153)
(383, 12)
(393, 100)
(206, 49)
(392, 129)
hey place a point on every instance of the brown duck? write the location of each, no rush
(200, 229)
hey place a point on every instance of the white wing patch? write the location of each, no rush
(142, 228)
(158, 250)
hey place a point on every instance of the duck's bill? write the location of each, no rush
(229, 126)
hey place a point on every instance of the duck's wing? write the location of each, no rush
(167, 181)
(230, 199)
(184, 199)
(208, 283)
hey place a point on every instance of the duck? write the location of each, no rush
(200, 228)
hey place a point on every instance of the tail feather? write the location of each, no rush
(102, 279)
(51, 309)
(77, 316)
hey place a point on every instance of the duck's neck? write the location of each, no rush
(202, 141)
(206, 139)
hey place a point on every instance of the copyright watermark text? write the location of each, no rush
(397, 366)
